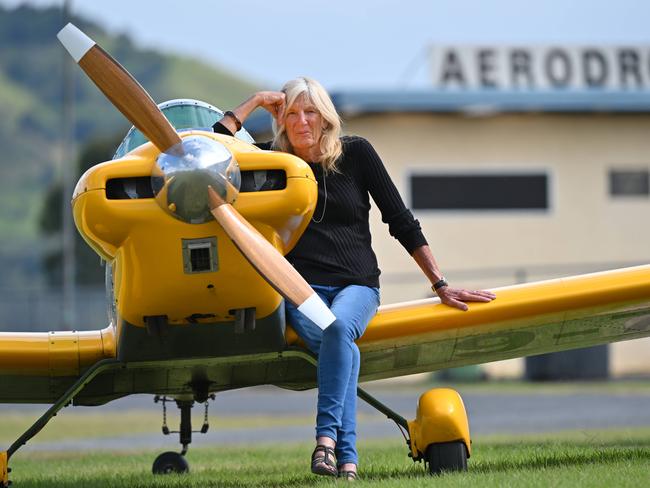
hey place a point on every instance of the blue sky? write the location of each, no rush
(357, 44)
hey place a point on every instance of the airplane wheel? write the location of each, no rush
(170, 462)
(447, 456)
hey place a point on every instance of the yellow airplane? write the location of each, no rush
(197, 306)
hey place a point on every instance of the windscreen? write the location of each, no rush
(183, 115)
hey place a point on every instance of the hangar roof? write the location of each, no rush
(353, 102)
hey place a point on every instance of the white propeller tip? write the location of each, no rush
(315, 310)
(76, 42)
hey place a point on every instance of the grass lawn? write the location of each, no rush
(586, 458)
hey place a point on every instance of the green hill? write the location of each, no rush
(31, 87)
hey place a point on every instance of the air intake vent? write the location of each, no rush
(129, 188)
(263, 180)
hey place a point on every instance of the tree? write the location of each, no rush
(88, 268)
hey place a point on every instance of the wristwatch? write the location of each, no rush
(235, 119)
(439, 284)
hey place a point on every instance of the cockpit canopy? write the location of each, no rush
(183, 114)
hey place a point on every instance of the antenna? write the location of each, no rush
(414, 65)
(68, 174)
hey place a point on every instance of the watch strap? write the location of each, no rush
(235, 119)
(439, 284)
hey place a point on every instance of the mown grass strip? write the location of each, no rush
(80, 425)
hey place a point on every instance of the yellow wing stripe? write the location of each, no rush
(585, 294)
(545, 301)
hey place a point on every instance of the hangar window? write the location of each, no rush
(629, 183)
(466, 191)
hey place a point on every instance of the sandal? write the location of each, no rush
(323, 461)
(348, 475)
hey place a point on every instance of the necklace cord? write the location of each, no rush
(325, 202)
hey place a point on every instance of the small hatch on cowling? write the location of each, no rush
(200, 255)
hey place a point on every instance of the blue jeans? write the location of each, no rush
(338, 361)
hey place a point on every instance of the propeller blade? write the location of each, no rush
(124, 92)
(269, 263)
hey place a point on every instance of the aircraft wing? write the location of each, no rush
(524, 320)
(404, 338)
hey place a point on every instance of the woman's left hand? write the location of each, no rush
(454, 297)
(273, 102)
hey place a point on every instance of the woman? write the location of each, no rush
(334, 254)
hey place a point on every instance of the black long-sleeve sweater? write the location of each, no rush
(335, 249)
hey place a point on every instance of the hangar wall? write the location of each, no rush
(584, 228)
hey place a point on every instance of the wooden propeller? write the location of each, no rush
(137, 106)
(124, 92)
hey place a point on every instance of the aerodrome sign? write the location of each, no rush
(541, 68)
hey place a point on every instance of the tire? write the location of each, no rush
(170, 462)
(446, 457)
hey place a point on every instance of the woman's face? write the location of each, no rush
(303, 123)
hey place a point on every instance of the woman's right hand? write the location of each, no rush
(273, 101)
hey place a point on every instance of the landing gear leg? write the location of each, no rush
(401, 422)
(175, 462)
(63, 401)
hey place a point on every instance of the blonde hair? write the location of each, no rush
(330, 143)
